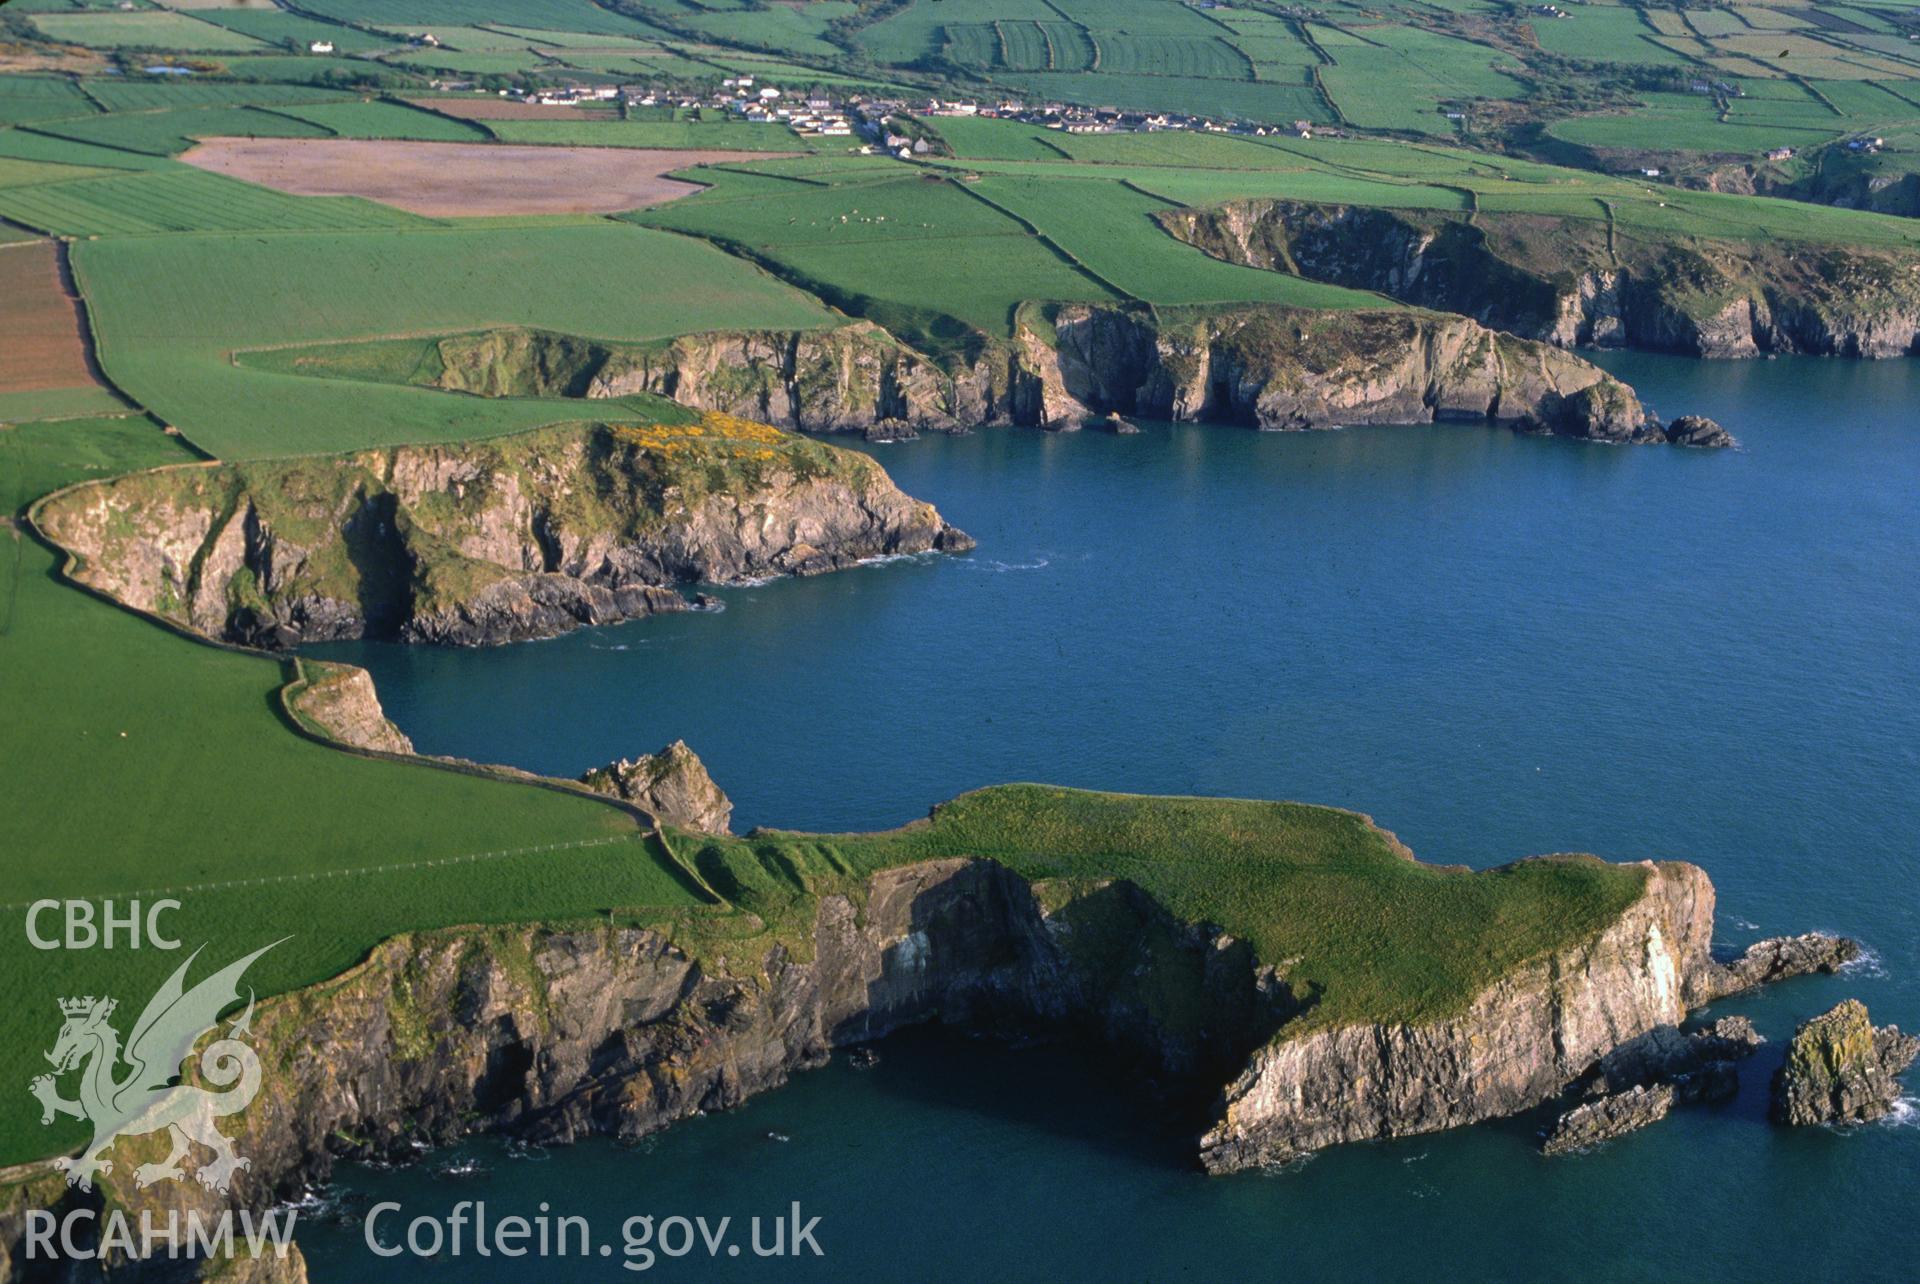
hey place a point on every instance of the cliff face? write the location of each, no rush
(1277, 368)
(1569, 282)
(484, 542)
(1259, 366)
(339, 702)
(1520, 1043)
(556, 1035)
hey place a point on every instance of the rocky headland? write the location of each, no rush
(1571, 282)
(486, 542)
(552, 1033)
(1069, 365)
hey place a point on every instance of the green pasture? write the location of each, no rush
(143, 29)
(386, 120)
(154, 762)
(164, 133)
(186, 200)
(170, 311)
(1365, 934)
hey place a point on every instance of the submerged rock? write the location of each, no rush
(673, 784)
(1698, 430)
(1840, 1069)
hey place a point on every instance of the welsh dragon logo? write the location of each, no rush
(149, 1095)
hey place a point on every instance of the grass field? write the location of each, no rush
(41, 457)
(185, 200)
(164, 133)
(146, 29)
(169, 310)
(1108, 228)
(385, 120)
(906, 252)
(415, 15)
(209, 787)
(30, 98)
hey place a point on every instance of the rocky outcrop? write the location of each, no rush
(484, 542)
(672, 785)
(1597, 1122)
(339, 701)
(848, 379)
(1780, 957)
(1640, 1081)
(1698, 430)
(1282, 368)
(1580, 282)
(1840, 1069)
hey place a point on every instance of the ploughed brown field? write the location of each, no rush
(42, 345)
(507, 109)
(448, 180)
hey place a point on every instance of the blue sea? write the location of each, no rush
(1496, 645)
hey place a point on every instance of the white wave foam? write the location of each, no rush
(1869, 964)
(1001, 568)
(1906, 1113)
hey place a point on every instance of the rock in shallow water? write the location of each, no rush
(1587, 1126)
(1698, 430)
(1840, 1069)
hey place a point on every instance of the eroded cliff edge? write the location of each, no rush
(1258, 366)
(1582, 282)
(483, 542)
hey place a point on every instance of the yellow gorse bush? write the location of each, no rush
(723, 435)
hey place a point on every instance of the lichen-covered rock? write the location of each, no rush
(484, 542)
(1840, 1069)
(339, 701)
(672, 784)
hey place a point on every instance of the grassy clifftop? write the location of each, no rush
(1353, 923)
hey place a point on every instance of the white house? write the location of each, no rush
(320, 47)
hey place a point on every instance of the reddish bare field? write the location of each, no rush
(449, 180)
(506, 109)
(42, 345)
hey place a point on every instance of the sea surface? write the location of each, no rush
(1496, 645)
